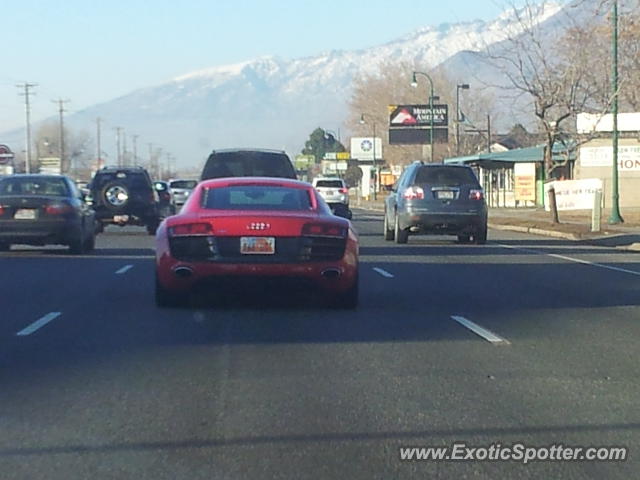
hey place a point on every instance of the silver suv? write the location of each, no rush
(334, 190)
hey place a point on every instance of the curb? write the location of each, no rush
(535, 231)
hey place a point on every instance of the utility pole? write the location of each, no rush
(155, 173)
(135, 149)
(98, 140)
(615, 216)
(462, 86)
(488, 133)
(27, 107)
(118, 155)
(125, 157)
(61, 110)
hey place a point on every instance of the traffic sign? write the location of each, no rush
(6, 155)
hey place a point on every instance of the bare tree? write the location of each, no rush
(78, 147)
(556, 75)
(391, 85)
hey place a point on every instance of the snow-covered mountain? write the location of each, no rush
(274, 102)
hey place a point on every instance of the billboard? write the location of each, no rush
(628, 157)
(362, 148)
(416, 116)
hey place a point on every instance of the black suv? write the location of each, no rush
(124, 196)
(248, 163)
(436, 199)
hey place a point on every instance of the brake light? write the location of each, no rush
(344, 190)
(1, 210)
(58, 209)
(324, 230)
(191, 229)
(476, 195)
(413, 193)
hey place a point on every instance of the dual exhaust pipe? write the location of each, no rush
(329, 273)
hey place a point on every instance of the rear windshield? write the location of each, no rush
(136, 180)
(329, 183)
(257, 197)
(453, 176)
(189, 184)
(248, 164)
(55, 187)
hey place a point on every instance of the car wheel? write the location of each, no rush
(480, 237)
(115, 195)
(77, 245)
(347, 300)
(165, 298)
(464, 238)
(402, 236)
(388, 232)
(99, 227)
(5, 247)
(152, 227)
(90, 243)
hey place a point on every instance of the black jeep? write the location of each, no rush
(125, 196)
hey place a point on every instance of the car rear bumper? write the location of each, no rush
(445, 223)
(332, 276)
(40, 232)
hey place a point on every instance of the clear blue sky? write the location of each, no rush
(93, 51)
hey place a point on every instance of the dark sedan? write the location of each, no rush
(45, 210)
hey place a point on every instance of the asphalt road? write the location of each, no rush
(110, 387)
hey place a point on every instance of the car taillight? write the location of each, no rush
(476, 195)
(413, 193)
(58, 209)
(324, 230)
(191, 229)
(1, 210)
(344, 190)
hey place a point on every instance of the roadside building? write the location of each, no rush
(595, 155)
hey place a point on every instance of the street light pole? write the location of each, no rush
(462, 86)
(376, 177)
(615, 194)
(414, 83)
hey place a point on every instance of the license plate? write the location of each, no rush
(25, 214)
(121, 218)
(445, 195)
(257, 245)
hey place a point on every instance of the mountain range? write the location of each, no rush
(273, 102)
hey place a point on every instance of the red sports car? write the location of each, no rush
(252, 233)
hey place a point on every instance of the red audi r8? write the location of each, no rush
(251, 233)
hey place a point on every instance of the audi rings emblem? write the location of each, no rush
(258, 226)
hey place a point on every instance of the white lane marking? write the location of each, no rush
(575, 260)
(124, 269)
(382, 272)
(481, 331)
(38, 324)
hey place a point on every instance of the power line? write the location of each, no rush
(26, 86)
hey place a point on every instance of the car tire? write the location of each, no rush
(104, 197)
(480, 237)
(99, 227)
(401, 236)
(464, 238)
(166, 299)
(77, 245)
(152, 227)
(347, 300)
(90, 242)
(5, 247)
(389, 234)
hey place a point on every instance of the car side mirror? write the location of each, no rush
(343, 211)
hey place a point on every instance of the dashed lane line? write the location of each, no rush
(38, 324)
(480, 331)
